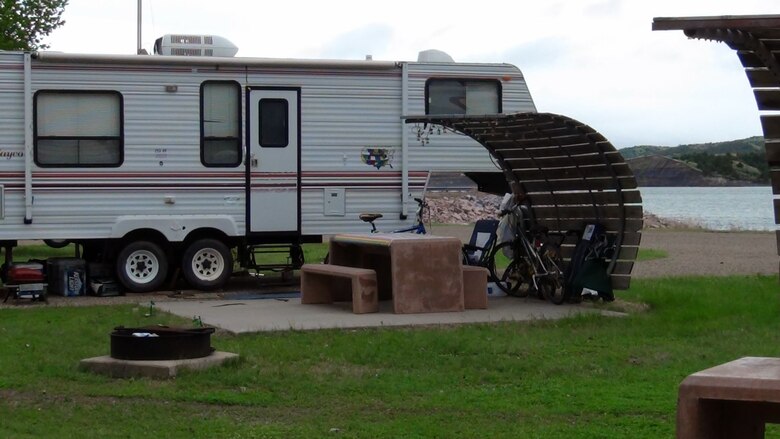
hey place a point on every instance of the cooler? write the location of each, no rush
(25, 281)
(25, 273)
(67, 276)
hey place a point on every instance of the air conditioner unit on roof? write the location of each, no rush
(194, 45)
(433, 55)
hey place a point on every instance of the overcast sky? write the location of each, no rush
(596, 61)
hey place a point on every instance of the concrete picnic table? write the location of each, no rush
(420, 273)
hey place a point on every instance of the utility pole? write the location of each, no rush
(140, 50)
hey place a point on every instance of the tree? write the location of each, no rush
(24, 23)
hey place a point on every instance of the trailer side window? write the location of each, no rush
(462, 96)
(274, 130)
(220, 123)
(78, 128)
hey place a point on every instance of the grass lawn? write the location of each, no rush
(649, 254)
(584, 377)
(24, 253)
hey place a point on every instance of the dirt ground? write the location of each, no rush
(692, 252)
(709, 253)
(689, 253)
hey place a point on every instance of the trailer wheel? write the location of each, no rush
(141, 266)
(207, 264)
(56, 243)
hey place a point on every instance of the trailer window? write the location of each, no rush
(220, 123)
(274, 131)
(78, 128)
(462, 96)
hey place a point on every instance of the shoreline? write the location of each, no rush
(652, 221)
(466, 207)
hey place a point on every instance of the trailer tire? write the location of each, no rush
(207, 264)
(56, 243)
(142, 266)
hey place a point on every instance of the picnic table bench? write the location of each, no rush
(326, 283)
(733, 400)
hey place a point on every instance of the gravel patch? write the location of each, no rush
(237, 286)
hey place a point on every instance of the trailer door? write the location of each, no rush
(273, 175)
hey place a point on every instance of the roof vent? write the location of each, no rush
(433, 55)
(194, 45)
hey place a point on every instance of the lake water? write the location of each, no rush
(716, 208)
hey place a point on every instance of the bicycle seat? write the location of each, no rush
(370, 217)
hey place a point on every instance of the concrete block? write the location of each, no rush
(162, 369)
(475, 287)
(733, 400)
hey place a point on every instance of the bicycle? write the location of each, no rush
(535, 265)
(417, 228)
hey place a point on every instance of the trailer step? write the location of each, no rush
(274, 257)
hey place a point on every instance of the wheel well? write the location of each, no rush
(150, 235)
(145, 235)
(208, 233)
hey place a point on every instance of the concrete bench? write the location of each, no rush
(326, 283)
(733, 400)
(475, 287)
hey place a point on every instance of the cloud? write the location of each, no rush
(542, 53)
(357, 43)
(605, 8)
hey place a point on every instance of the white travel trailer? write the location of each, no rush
(156, 163)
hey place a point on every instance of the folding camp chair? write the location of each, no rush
(483, 238)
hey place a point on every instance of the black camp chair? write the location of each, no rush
(483, 238)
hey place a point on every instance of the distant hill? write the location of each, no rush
(657, 170)
(741, 146)
(732, 163)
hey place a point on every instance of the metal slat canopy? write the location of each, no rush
(571, 175)
(756, 39)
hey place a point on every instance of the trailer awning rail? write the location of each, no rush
(207, 61)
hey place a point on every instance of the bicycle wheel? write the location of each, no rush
(551, 289)
(551, 285)
(512, 280)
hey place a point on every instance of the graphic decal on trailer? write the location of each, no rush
(377, 157)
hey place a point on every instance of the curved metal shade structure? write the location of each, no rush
(570, 173)
(756, 39)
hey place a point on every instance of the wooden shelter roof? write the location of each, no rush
(571, 174)
(756, 40)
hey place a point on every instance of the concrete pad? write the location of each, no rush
(290, 314)
(161, 369)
